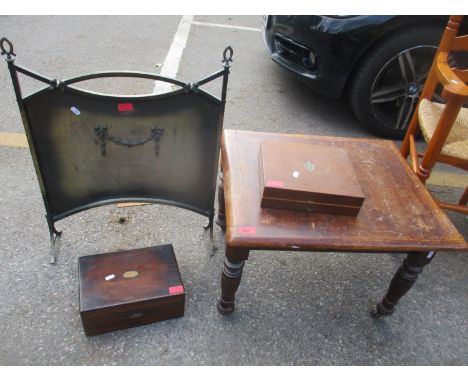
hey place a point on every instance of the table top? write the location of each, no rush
(398, 214)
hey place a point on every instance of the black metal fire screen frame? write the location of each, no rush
(90, 149)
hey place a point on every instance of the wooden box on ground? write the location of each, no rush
(129, 288)
(308, 177)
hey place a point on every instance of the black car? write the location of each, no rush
(379, 62)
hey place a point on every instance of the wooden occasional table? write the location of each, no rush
(398, 215)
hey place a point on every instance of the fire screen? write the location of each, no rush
(91, 149)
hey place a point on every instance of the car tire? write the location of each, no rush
(398, 65)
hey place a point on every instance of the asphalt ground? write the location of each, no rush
(292, 308)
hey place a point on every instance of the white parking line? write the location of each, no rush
(202, 23)
(172, 61)
(170, 66)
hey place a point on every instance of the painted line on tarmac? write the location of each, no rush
(228, 26)
(171, 63)
(170, 66)
(17, 140)
(438, 178)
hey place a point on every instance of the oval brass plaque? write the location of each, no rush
(130, 274)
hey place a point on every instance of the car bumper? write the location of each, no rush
(283, 56)
(285, 47)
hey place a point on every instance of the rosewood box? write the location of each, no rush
(124, 289)
(308, 177)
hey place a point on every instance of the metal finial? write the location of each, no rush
(9, 52)
(227, 56)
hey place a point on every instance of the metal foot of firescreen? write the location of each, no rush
(90, 149)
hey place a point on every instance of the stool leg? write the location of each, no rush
(231, 278)
(402, 282)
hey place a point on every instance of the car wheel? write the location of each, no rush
(386, 86)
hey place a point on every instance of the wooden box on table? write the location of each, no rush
(124, 289)
(308, 177)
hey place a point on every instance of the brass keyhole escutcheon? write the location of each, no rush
(130, 274)
(135, 315)
(310, 207)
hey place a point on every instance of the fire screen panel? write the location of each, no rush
(92, 148)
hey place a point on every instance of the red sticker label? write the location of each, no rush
(176, 289)
(125, 107)
(247, 230)
(275, 183)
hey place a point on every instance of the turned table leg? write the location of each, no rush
(402, 282)
(231, 277)
(221, 219)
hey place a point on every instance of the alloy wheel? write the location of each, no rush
(397, 86)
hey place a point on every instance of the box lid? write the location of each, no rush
(112, 279)
(308, 172)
